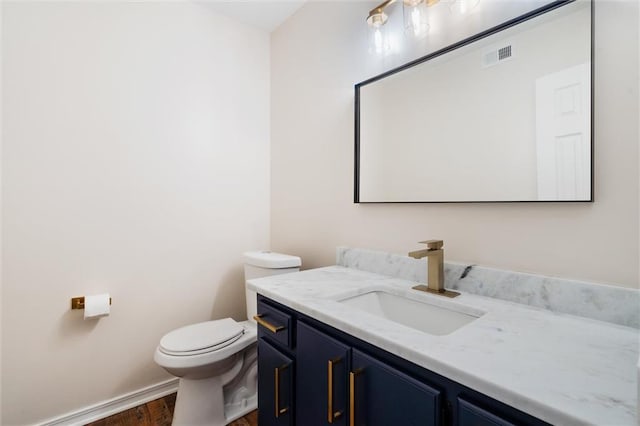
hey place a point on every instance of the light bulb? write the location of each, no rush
(377, 40)
(463, 7)
(415, 18)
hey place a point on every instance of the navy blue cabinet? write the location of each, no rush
(321, 383)
(275, 386)
(343, 381)
(470, 414)
(338, 385)
(383, 396)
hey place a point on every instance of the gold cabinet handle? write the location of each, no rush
(279, 410)
(352, 396)
(331, 415)
(272, 328)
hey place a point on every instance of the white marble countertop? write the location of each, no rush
(563, 369)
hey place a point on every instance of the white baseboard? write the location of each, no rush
(115, 405)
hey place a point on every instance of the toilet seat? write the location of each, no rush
(185, 362)
(201, 338)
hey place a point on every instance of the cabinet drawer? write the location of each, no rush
(275, 325)
(470, 414)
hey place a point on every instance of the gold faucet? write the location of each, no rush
(435, 268)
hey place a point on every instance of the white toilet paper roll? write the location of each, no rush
(96, 306)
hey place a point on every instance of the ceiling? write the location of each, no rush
(264, 14)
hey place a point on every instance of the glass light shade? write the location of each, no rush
(462, 7)
(379, 42)
(416, 22)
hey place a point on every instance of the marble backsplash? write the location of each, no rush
(600, 302)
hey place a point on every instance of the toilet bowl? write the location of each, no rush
(216, 361)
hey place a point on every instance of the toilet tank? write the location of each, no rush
(258, 264)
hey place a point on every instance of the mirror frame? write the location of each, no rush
(486, 33)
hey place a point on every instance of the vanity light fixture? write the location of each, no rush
(415, 19)
(414, 12)
(376, 19)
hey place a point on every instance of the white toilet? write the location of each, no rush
(217, 360)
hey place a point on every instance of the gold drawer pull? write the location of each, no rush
(272, 328)
(279, 410)
(331, 415)
(352, 396)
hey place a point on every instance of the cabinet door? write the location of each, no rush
(383, 396)
(321, 380)
(470, 414)
(275, 386)
(492, 414)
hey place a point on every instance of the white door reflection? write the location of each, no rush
(563, 143)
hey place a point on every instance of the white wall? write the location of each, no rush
(136, 162)
(314, 68)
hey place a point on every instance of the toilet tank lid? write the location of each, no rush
(268, 259)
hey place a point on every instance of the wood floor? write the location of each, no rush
(159, 413)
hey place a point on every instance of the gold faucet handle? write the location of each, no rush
(433, 244)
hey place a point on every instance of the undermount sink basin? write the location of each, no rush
(423, 316)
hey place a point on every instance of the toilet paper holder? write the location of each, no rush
(78, 302)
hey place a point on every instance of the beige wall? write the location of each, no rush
(136, 162)
(316, 62)
(1, 273)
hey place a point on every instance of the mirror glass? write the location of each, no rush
(503, 116)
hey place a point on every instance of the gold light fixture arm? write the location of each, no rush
(377, 16)
(381, 7)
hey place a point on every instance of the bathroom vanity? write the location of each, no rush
(344, 346)
(330, 377)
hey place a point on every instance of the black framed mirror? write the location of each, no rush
(503, 116)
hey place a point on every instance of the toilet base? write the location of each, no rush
(236, 410)
(199, 402)
(219, 400)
